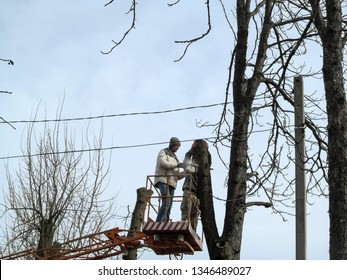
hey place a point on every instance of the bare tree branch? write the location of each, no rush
(9, 61)
(191, 41)
(132, 10)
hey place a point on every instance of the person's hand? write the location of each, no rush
(182, 165)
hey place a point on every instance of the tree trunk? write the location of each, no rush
(330, 32)
(46, 238)
(137, 219)
(228, 245)
(337, 130)
(202, 157)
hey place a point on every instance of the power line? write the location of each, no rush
(113, 147)
(116, 115)
(97, 149)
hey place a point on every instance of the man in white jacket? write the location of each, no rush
(166, 176)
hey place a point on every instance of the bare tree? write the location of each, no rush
(262, 68)
(57, 194)
(269, 38)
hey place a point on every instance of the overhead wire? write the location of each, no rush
(109, 148)
(115, 115)
(102, 117)
(97, 149)
(108, 116)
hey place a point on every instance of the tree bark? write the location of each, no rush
(46, 238)
(337, 131)
(202, 158)
(137, 219)
(330, 32)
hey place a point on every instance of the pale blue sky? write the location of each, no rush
(56, 47)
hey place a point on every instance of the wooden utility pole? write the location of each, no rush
(300, 182)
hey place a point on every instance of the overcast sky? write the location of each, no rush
(56, 48)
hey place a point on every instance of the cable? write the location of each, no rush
(98, 149)
(112, 147)
(117, 115)
(110, 116)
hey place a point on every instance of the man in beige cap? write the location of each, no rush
(166, 176)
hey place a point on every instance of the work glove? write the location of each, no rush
(191, 168)
(182, 165)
